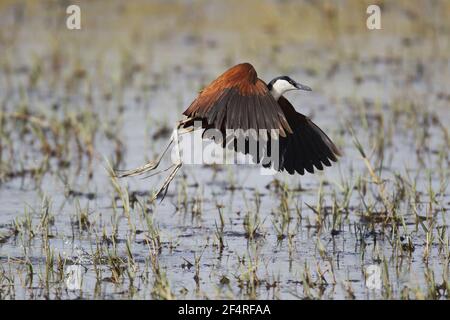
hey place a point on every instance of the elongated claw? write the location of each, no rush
(152, 165)
(135, 172)
(163, 190)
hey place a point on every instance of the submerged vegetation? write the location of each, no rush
(74, 104)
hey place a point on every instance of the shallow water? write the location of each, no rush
(327, 245)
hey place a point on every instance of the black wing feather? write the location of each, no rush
(308, 143)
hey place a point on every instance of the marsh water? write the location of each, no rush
(75, 102)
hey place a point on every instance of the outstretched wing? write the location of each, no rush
(307, 147)
(239, 100)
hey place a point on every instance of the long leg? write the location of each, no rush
(152, 165)
(163, 190)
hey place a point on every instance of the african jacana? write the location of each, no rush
(238, 99)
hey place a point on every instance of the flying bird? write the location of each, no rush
(239, 100)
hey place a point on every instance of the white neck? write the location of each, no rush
(280, 87)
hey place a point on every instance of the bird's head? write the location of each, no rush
(279, 85)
